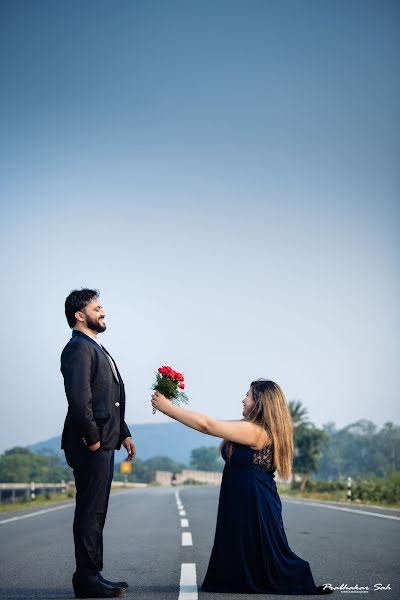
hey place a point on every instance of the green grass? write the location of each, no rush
(43, 501)
(39, 501)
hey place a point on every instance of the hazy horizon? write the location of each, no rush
(206, 437)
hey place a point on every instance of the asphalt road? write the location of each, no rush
(143, 545)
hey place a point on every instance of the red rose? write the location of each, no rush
(167, 372)
(182, 386)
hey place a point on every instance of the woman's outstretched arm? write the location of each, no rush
(241, 432)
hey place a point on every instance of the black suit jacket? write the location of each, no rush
(96, 399)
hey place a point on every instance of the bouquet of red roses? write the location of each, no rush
(171, 384)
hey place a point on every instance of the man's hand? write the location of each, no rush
(130, 448)
(94, 447)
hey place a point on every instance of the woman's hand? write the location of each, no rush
(160, 402)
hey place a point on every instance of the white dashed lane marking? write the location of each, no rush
(187, 539)
(188, 583)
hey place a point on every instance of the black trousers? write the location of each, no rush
(93, 472)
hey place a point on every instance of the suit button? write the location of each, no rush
(117, 404)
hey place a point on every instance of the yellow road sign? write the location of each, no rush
(126, 467)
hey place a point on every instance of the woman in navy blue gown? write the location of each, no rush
(251, 554)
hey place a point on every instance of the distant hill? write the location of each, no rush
(152, 439)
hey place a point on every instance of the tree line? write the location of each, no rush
(359, 450)
(21, 465)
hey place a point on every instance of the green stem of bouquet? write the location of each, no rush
(170, 389)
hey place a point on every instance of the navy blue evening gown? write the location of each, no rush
(251, 553)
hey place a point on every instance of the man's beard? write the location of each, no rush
(95, 325)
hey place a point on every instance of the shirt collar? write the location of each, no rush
(76, 333)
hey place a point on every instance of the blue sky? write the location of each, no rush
(227, 174)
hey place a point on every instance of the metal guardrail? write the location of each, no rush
(17, 492)
(27, 492)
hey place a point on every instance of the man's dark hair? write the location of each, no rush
(77, 300)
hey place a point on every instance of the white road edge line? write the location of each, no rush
(351, 510)
(182, 513)
(187, 539)
(188, 582)
(37, 512)
(184, 523)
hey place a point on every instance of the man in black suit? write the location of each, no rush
(93, 429)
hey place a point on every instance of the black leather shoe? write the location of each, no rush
(121, 584)
(91, 586)
(323, 591)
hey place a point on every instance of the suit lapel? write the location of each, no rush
(112, 364)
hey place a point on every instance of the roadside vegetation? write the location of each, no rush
(324, 459)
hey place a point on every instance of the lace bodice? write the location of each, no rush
(264, 459)
(244, 456)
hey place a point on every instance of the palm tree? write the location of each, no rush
(308, 442)
(298, 412)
